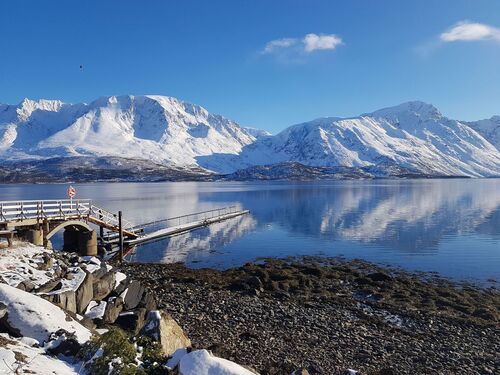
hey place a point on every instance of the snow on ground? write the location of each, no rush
(95, 310)
(20, 262)
(201, 362)
(37, 318)
(17, 357)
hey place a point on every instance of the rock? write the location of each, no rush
(47, 262)
(148, 301)
(63, 342)
(133, 295)
(65, 300)
(49, 286)
(84, 293)
(120, 288)
(132, 321)
(254, 282)
(3, 310)
(103, 286)
(302, 371)
(379, 276)
(113, 309)
(161, 327)
(27, 286)
(88, 323)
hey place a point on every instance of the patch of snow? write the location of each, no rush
(95, 310)
(174, 360)
(35, 361)
(37, 318)
(119, 277)
(201, 362)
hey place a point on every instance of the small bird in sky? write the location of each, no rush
(81, 67)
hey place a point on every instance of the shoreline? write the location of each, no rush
(329, 314)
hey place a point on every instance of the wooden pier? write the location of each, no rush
(38, 221)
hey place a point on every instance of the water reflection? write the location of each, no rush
(450, 226)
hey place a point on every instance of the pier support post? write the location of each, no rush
(35, 236)
(87, 243)
(120, 228)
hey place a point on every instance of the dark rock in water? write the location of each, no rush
(379, 276)
(113, 309)
(134, 295)
(84, 293)
(132, 321)
(103, 286)
(63, 342)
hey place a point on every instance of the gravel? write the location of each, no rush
(331, 315)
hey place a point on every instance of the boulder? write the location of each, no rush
(132, 321)
(302, 371)
(49, 286)
(65, 300)
(113, 309)
(148, 301)
(103, 286)
(26, 285)
(3, 310)
(85, 293)
(63, 342)
(133, 295)
(161, 327)
(379, 276)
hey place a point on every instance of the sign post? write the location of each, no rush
(71, 195)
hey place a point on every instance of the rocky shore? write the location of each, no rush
(322, 316)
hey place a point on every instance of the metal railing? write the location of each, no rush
(197, 216)
(64, 209)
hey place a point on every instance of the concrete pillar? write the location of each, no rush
(87, 243)
(35, 236)
(70, 240)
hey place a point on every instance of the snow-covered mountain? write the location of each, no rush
(489, 129)
(157, 128)
(413, 136)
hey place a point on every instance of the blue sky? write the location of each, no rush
(267, 64)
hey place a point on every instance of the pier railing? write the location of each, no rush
(63, 209)
(189, 218)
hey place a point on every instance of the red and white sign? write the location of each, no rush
(71, 192)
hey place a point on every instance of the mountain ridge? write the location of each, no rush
(167, 131)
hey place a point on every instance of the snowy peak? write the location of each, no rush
(408, 110)
(158, 128)
(489, 129)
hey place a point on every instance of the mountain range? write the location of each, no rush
(158, 137)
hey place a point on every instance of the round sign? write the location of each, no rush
(71, 192)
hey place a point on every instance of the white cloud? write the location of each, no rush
(470, 31)
(314, 42)
(277, 44)
(308, 44)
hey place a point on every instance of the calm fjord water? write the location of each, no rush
(449, 226)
